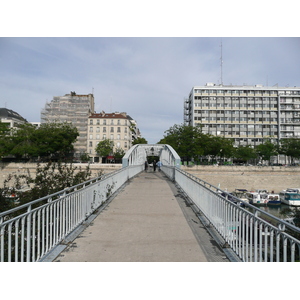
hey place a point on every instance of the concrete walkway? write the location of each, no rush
(148, 221)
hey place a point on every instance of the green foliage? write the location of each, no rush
(105, 147)
(290, 147)
(185, 140)
(190, 143)
(50, 178)
(245, 153)
(139, 141)
(49, 141)
(118, 154)
(266, 149)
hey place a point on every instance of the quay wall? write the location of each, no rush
(7, 169)
(272, 178)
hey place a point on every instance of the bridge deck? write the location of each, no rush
(147, 221)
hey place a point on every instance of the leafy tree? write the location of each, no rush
(139, 140)
(22, 142)
(185, 140)
(51, 178)
(217, 146)
(266, 149)
(4, 139)
(104, 148)
(290, 147)
(244, 153)
(118, 154)
(55, 140)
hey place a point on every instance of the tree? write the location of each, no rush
(118, 154)
(290, 147)
(266, 149)
(22, 142)
(244, 153)
(185, 140)
(50, 178)
(55, 140)
(105, 148)
(217, 146)
(139, 140)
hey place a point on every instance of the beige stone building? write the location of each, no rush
(118, 127)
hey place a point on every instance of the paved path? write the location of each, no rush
(147, 221)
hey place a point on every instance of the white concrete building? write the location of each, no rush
(247, 114)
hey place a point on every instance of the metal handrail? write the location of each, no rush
(31, 231)
(253, 234)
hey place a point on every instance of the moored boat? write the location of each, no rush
(290, 196)
(263, 197)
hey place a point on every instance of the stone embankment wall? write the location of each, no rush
(7, 169)
(226, 177)
(229, 178)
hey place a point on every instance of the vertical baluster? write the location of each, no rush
(292, 251)
(39, 235)
(260, 241)
(17, 240)
(271, 245)
(278, 246)
(2, 244)
(255, 238)
(251, 244)
(266, 242)
(22, 239)
(28, 252)
(33, 241)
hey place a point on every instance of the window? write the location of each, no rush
(91, 136)
(98, 129)
(91, 122)
(91, 144)
(98, 122)
(111, 129)
(104, 129)
(91, 129)
(119, 129)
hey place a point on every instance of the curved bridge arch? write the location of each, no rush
(137, 155)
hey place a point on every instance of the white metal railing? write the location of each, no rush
(30, 231)
(254, 235)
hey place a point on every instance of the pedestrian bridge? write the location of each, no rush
(134, 215)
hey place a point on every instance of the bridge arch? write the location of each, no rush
(138, 154)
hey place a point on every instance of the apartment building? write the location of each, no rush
(118, 127)
(11, 118)
(247, 114)
(71, 108)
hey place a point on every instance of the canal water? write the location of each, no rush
(275, 209)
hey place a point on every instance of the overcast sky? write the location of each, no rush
(147, 77)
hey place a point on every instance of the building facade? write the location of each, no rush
(11, 118)
(118, 127)
(246, 114)
(71, 108)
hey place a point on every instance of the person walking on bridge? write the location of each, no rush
(154, 165)
(146, 166)
(159, 164)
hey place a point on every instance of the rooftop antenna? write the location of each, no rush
(221, 59)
